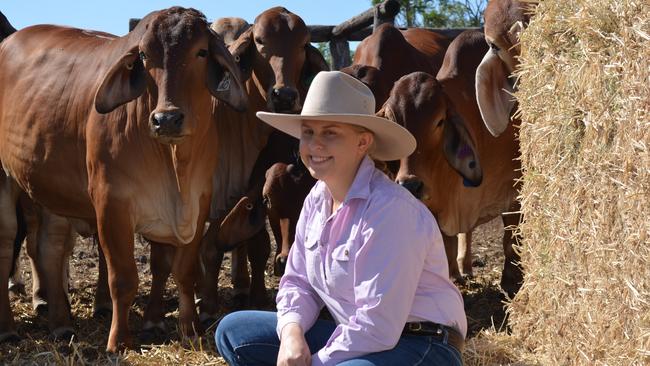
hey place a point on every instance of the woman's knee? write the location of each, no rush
(243, 327)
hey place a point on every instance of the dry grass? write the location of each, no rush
(585, 137)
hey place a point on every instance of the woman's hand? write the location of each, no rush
(293, 347)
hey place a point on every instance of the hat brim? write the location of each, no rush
(392, 141)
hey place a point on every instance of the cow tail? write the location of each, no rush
(21, 233)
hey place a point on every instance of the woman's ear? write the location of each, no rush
(366, 140)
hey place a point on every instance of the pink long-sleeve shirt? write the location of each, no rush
(376, 263)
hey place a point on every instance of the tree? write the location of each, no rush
(440, 13)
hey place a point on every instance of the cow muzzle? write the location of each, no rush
(167, 126)
(284, 100)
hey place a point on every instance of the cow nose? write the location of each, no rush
(414, 186)
(284, 100)
(169, 123)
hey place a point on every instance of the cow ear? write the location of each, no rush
(460, 151)
(494, 93)
(242, 51)
(314, 63)
(224, 77)
(123, 82)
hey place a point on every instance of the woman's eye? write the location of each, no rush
(307, 132)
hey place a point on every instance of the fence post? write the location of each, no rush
(385, 13)
(340, 50)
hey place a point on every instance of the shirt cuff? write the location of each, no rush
(320, 358)
(286, 319)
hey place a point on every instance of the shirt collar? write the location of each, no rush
(360, 187)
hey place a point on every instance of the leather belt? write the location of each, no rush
(454, 338)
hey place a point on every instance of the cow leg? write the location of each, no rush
(116, 238)
(185, 271)
(53, 250)
(240, 278)
(103, 305)
(207, 283)
(287, 230)
(451, 249)
(512, 275)
(259, 249)
(16, 281)
(162, 257)
(33, 218)
(465, 254)
(8, 229)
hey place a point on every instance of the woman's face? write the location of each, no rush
(332, 151)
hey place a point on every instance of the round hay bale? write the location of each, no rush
(584, 101)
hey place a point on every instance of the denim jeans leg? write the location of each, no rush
(249, 337)
(411, 351)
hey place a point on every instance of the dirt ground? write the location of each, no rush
(483, 305)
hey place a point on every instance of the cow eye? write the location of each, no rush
(202, 53)
(258, 40)
(493, 47)
(142, 56)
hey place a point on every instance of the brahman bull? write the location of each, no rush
(443, 116)
(116, 132)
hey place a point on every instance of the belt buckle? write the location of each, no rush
(415, 327)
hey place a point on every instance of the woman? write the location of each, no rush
(364, 248)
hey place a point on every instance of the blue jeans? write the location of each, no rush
(249, 338)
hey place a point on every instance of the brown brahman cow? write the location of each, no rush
(278, 63)
(504, 21)
(443, 116)
(389, 53)
(123, 143)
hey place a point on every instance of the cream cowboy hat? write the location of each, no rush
(338, 97)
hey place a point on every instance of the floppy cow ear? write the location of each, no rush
(314, 63)
(460, 151)
(242, 51)
(123, 82)
(224, 78)
(494, 93)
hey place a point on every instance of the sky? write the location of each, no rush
(112, 16)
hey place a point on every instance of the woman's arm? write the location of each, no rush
(296, 300)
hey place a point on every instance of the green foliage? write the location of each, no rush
(440, 13)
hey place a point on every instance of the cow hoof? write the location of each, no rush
(9, 337)
(102, 313)
(280, 265)
(17, 289)
(40, 308)
(153, 333)
(65, 334)
(191, 342)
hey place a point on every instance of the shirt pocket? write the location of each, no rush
(340, 276)
(312, 259)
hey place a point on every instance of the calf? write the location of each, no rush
(285, 189)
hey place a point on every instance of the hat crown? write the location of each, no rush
(335, 92)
